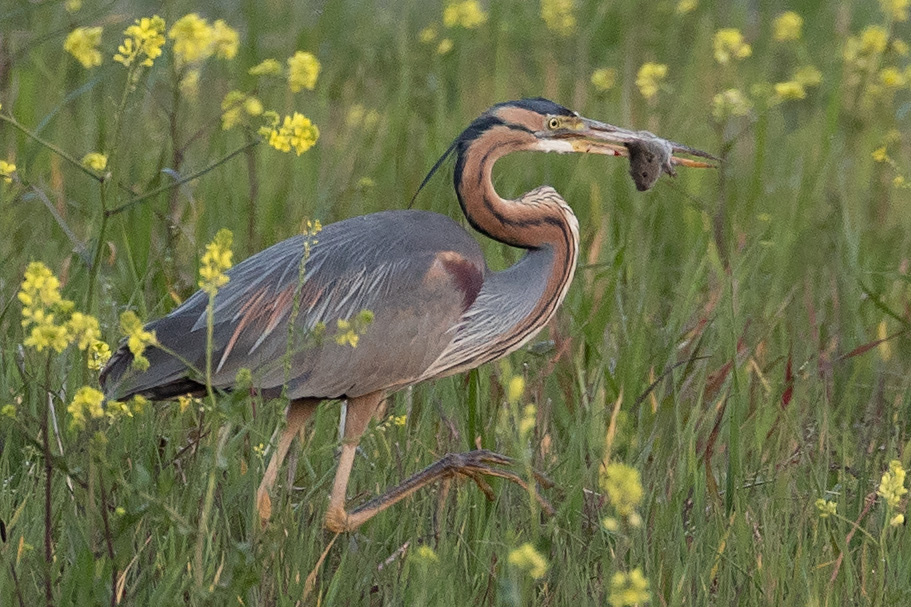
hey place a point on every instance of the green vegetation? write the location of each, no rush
(735, 346)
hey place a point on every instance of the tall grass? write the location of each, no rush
(737, 336)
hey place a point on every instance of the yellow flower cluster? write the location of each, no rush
(787, 26)
(82, 43)
(359, 116)
(623, 486)
(303, 70)
(649, 78)
(558, 16)
(862, 51)
(138, 339)
(897, 10)
(628, 589)
(6, 171)
(267, 67)
(604, 79)
(195, 40)
(295, 132)
(427, 554)
(95, 161)
(236, 106)
(826, 508)
(892, 485)
(731, 102)
(144, 41)
(464, 13)
(86, 404)
(349, 331)
(728, 44)
(215, 261)
(526, 558)
(790, 90)
(50, 319)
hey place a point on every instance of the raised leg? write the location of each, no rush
(298, 413)
(474, 464)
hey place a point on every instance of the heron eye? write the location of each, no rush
(553, 124)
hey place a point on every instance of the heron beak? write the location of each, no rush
(650, 156)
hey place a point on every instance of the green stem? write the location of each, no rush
(182, 180)
(57, 150)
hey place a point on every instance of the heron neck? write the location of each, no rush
(535, 219)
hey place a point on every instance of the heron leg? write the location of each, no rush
(473, 464)
(358, 415)
(299, 411)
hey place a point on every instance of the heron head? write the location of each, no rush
(540, 124)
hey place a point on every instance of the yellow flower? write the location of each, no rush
(444, 46)
(464, 13)
(426, 553)
(649, 78)
(728, 44)
(897, 10)
(515, 389)
(72, 6)
(892, 485)
(193, 38)
(686, 6)
(8, 411)
(604, 79)
(267, 67)
(137, 338)
(99, 354)
(808, 75)
(189, 83)
(215, 261)
(82, 43)
(790, 90)
(527, 421)
(6, 171)
(95, 161)
(826, 508)
(611, 524)
(731, 102)
(303, 69)
(873, 40)
(83, 329)
(787, 26)
(899, 182)
(528, 559)
(623, 486)
(880, 155)
(891, 77)
(41, 302)
(296, 132)
(144, 40)
(628, 589)
(558, 16)
(428, 34)
(225, 39)
(900, 47)
(897, 520)
(86, 403)
(399, 420)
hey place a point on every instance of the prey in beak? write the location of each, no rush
(649, 155)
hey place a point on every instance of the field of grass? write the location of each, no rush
(738, 337)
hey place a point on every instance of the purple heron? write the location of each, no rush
(436, 308)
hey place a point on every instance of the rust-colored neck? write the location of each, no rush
(536, 219)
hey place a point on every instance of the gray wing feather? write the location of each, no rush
(378, 262)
